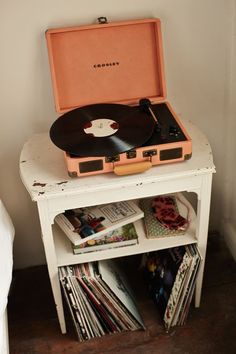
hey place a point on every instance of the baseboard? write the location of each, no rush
(229, 233)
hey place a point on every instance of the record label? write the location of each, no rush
(101, 127)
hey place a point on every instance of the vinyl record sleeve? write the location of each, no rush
(177, 289)
(191, 286)
(85, 315)
(106, 320)
(70, 303)
(116, 281)
(118, 308)
(79, 309)
(92, 315)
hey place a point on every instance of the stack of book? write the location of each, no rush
(171, 277)
(100, 227)
(99, 299)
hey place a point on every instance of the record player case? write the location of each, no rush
(118, 62)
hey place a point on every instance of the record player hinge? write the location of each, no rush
(102, 20)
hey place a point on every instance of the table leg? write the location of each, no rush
(203, 208)
(49, 247)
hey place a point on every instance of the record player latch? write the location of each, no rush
(131, 154)
(150, 153)
(112, 158)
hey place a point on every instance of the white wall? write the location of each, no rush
(197, 37)
(228, 224)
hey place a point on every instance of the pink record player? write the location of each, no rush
(109, 87)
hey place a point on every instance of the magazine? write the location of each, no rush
(123, 236)
(83, 224)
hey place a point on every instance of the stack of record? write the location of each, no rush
(99, 299)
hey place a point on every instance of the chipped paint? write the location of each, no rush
(62, 182)
(38, 184)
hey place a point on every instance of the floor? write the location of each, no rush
(34, 329)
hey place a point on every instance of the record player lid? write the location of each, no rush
(117, 62)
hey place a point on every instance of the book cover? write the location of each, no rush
(83, 224)
(125, 235)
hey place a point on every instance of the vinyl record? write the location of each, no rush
(101, 130)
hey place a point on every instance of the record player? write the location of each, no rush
(109, 87)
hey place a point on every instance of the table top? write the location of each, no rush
(44, 174)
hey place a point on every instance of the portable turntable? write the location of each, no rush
(108, 83)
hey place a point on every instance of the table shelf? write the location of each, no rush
(65, 255)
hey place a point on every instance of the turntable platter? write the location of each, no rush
(101, 130)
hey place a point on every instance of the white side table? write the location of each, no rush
(44, 175)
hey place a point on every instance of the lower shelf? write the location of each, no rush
(65, 254)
